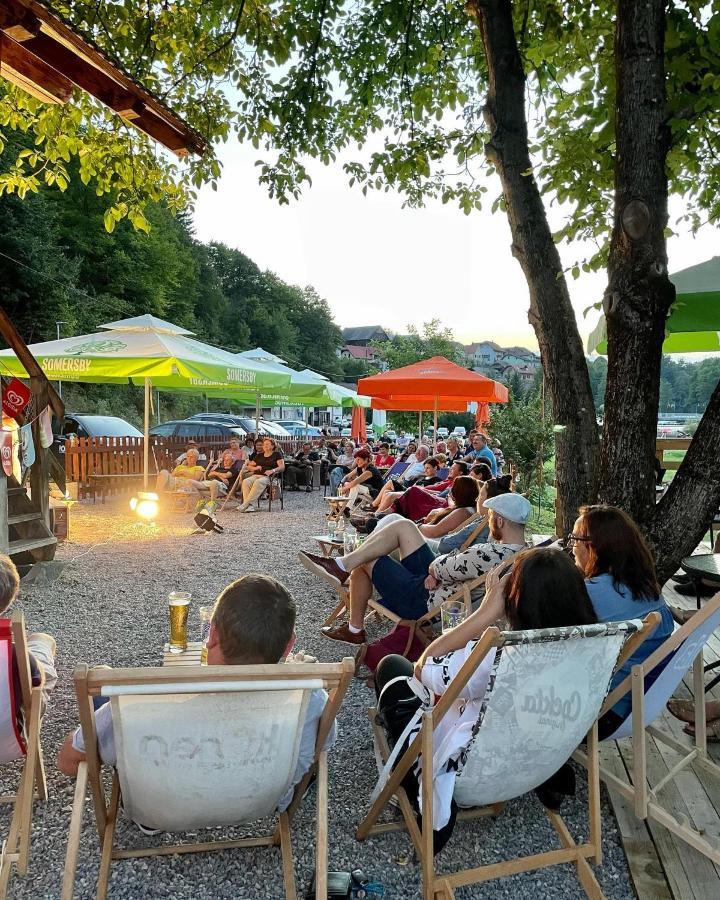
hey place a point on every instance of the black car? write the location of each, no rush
(86, 426)
(247, 423)
(199, 430)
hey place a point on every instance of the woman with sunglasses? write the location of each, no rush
(620, 576)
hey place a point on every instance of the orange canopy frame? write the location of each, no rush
(435, 377)
(419, 404)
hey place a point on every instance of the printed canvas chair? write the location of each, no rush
(684, 648)
(17, 745)
(203, 747)
(543, 697)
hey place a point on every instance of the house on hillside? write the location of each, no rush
(362, 335)
(481, 354)
(519, 357)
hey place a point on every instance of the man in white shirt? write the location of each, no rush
(253, 623)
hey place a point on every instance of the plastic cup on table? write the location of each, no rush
(452, 614)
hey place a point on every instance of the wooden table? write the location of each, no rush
(337, 505)
(189, 657)
(327, 544)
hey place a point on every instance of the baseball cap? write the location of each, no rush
(513, 507)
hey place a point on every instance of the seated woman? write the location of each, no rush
(540, 589)
(344, 462)
(417, 502)
(408, 454)
(429, 478)
(384, 458)
(261, 467)
(481, 471)
(463, 499)
(363, 480)
(620, 577)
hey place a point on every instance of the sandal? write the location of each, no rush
(712, 731)
(682, 709)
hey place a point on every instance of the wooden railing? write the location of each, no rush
(663, 444)
(123, 457)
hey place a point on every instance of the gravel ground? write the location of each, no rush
(109, 606)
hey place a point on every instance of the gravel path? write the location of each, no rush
(109, 606)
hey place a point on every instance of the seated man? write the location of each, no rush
(188, 476)
(224, 471)
(481, 453)
(41, 646)
(253, 624)
(419, 581)
(414, 471)
(299, 469)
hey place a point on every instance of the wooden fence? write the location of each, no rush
(663, 444)
(118, 462)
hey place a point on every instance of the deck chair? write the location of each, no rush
(19, 745)
(395, 471)
(185, 500)
(684, 648)
(543, 697)
(229, 734)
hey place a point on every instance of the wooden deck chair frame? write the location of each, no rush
(32, 780)
(88, 684)
(442, 887)
(637, 791)
(183, 500)
(375, 608)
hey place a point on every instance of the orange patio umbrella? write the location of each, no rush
(358, 430)
(432, 384)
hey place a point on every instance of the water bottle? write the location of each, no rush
(349, 537)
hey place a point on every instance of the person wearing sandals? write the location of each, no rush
(620, 576)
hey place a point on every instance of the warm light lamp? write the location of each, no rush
(145, 505)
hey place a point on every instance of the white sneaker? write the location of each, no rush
(247, 509)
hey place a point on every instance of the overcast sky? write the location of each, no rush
(379, 264)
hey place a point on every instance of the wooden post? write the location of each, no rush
(146, 435)
(435, 420)
(39, 485)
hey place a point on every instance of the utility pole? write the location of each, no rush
(57, 326)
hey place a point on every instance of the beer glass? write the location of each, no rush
(178, 605)
(452, 613)
(206, 613)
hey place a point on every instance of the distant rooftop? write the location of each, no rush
(365, 333)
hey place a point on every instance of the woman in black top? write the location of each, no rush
(364, 479)
(261, 468)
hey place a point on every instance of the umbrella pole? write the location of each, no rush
(435, 424)
(419, 426)
(257, 417)
(146, 435)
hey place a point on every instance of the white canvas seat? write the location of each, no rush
(204, 747)
(16, 744)
(683, 649)
(544, 695)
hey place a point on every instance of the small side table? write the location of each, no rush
(189, 657)
(327, 544)
(704, 567)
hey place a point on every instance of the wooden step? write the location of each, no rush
(24, 517)
(25, 544)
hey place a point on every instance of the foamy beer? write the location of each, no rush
(178, 604)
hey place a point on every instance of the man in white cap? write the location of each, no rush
(417, 581)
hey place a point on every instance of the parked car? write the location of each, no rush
(346, 432)
(443, 433)
(299, 430)
(247, 423)
(459, 431)
(199, 430)
(85, 426)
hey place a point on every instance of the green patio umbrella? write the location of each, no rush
(694, 322)
(150, 351)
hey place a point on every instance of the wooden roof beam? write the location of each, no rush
(31, 73)
(18, 23)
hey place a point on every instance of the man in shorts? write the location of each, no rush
(418, 580)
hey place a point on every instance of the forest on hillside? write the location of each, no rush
(59, 264)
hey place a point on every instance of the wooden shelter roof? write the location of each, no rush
(46, 56)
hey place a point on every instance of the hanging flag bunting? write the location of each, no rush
(46, 435)
(15, 397)
(28, 446)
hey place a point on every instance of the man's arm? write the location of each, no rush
(69, 758)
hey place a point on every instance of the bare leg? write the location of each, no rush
(388, 500)
(361, 590)
(384, 490)
(163, 479)
(404, 536)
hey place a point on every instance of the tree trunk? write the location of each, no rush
(551, 313)
(681, 519)
(639, 292)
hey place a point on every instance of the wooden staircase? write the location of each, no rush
(25, 532)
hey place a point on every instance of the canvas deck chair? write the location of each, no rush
(687, 644)
(228, 734)
(22, 745)
(544, 695)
